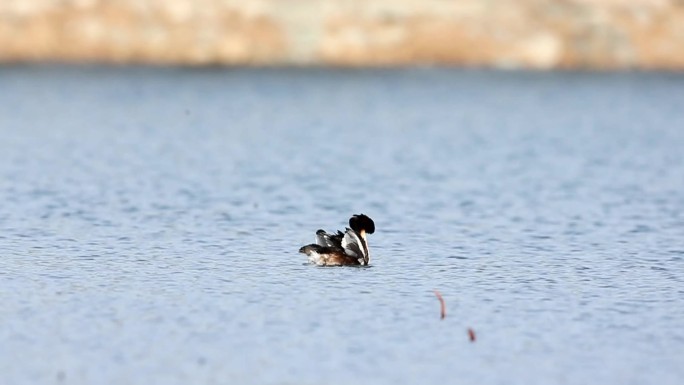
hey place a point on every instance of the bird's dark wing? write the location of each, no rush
(329, 240)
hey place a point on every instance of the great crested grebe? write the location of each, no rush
(348, 248)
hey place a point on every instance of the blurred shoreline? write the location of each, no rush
(524, 34)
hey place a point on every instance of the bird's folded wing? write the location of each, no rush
(353, 246)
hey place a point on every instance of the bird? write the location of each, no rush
(342, 249)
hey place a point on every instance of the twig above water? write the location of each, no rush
(441, 303)
(471, 334)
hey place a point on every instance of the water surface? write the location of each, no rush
(151, 219)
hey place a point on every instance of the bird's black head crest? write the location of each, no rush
(360, 222)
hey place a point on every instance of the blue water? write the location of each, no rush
(150, 221)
